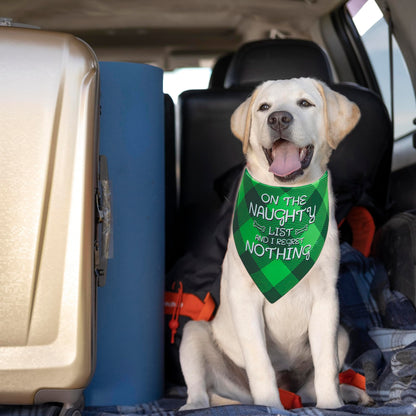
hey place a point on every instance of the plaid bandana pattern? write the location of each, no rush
(279, 232)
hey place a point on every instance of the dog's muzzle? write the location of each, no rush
(288, 161)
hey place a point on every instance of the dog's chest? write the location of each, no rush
(288, 318)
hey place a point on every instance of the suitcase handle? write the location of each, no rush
(104, 223)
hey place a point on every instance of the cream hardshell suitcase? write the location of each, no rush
(48, 159)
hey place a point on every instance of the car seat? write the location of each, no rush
(207, 147)
(360, 166)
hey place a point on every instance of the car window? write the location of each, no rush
(182, 79)
(373, 30)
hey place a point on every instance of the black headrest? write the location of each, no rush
(272, 59)
(219, 71)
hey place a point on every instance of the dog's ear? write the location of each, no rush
(341, 114)
(241, 120)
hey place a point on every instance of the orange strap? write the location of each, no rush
(190, 305)
(293, 401)
(363, 229)
(290, 400)
(187, 304)
(352, 378)
(174, 321)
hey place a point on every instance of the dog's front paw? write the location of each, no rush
(194, 406)
(365, 399)
(352, 394)
(330, 402)
(273, 403)
(269, 401)
(266, 394)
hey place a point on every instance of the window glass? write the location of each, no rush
(373, 30)
(179, 80)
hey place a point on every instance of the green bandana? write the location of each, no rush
(279, 232)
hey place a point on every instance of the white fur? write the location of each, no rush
(251, 346)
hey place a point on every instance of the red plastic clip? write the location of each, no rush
(174, 321)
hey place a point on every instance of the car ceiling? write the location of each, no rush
(170, 33)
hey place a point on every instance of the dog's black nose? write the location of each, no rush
(279, 120)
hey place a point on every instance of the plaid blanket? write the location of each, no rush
(382, 328)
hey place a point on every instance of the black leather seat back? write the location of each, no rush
(208, 150)
(361, 164)
(208, 147)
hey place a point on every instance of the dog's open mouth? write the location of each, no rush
(288, 161)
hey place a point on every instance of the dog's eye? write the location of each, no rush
(264, 107)
(305, 103)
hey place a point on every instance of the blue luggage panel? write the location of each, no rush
(129, 366)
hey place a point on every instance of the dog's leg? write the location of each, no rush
(350, 394)
(261, 375)
(211, 378)
(193, 362)
(323, 334)
(307, 391)
(246, 308)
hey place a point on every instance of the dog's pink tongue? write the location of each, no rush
(285, 157)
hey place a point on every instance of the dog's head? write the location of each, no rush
(290, 127)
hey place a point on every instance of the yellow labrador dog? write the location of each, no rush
(253, 346)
